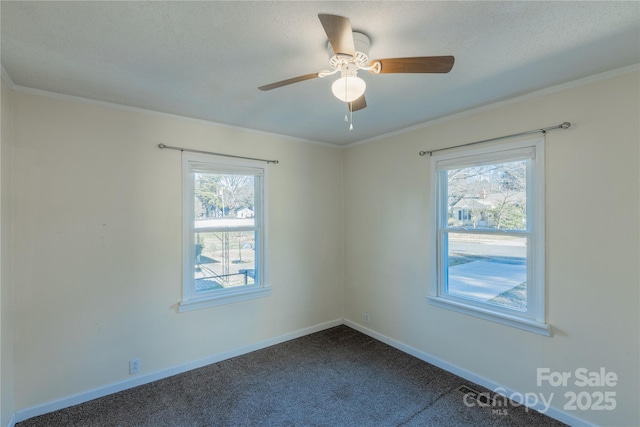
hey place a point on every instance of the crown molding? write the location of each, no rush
(120, 107)
(487, 107)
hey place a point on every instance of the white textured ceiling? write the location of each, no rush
(205, 60)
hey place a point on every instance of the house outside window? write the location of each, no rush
(489, 249)
(224, 257)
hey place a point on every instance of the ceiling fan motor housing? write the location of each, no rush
(362, 45)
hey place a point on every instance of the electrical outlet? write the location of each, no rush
(134, 366)
(366, 318)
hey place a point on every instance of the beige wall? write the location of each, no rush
(98, 245)
(97, 251)
(6, 285)
(592, 220)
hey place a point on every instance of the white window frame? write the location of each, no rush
(531, 150)
(192, 300)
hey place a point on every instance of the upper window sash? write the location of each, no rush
(443, 205)
(194, 164)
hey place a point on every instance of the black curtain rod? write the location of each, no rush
(564, 125)
(217, 154)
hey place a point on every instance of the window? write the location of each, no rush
(223, 231)
(489, 252)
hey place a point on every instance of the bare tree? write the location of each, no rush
(238, 191)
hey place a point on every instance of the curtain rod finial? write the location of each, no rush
(565, 125)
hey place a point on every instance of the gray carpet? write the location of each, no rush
(337, 377)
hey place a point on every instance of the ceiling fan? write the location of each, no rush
(349, 53)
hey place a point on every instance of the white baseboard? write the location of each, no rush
(470, 376)
(76, 399)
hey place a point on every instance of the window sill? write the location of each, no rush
(223, 297)
(504, 319)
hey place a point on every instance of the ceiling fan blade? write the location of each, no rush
(420, 64)
(358, 104)
(339, 32)
(289, 81)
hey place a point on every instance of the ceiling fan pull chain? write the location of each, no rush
(345, 95)
(351, 124)
(349, 104)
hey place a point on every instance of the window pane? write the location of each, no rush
(488, 268)
(224, 200)
(488, 196)
(224, 260)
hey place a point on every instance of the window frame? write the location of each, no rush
(191, 299)
(534, 318)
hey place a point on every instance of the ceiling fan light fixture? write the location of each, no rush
(348, 88)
